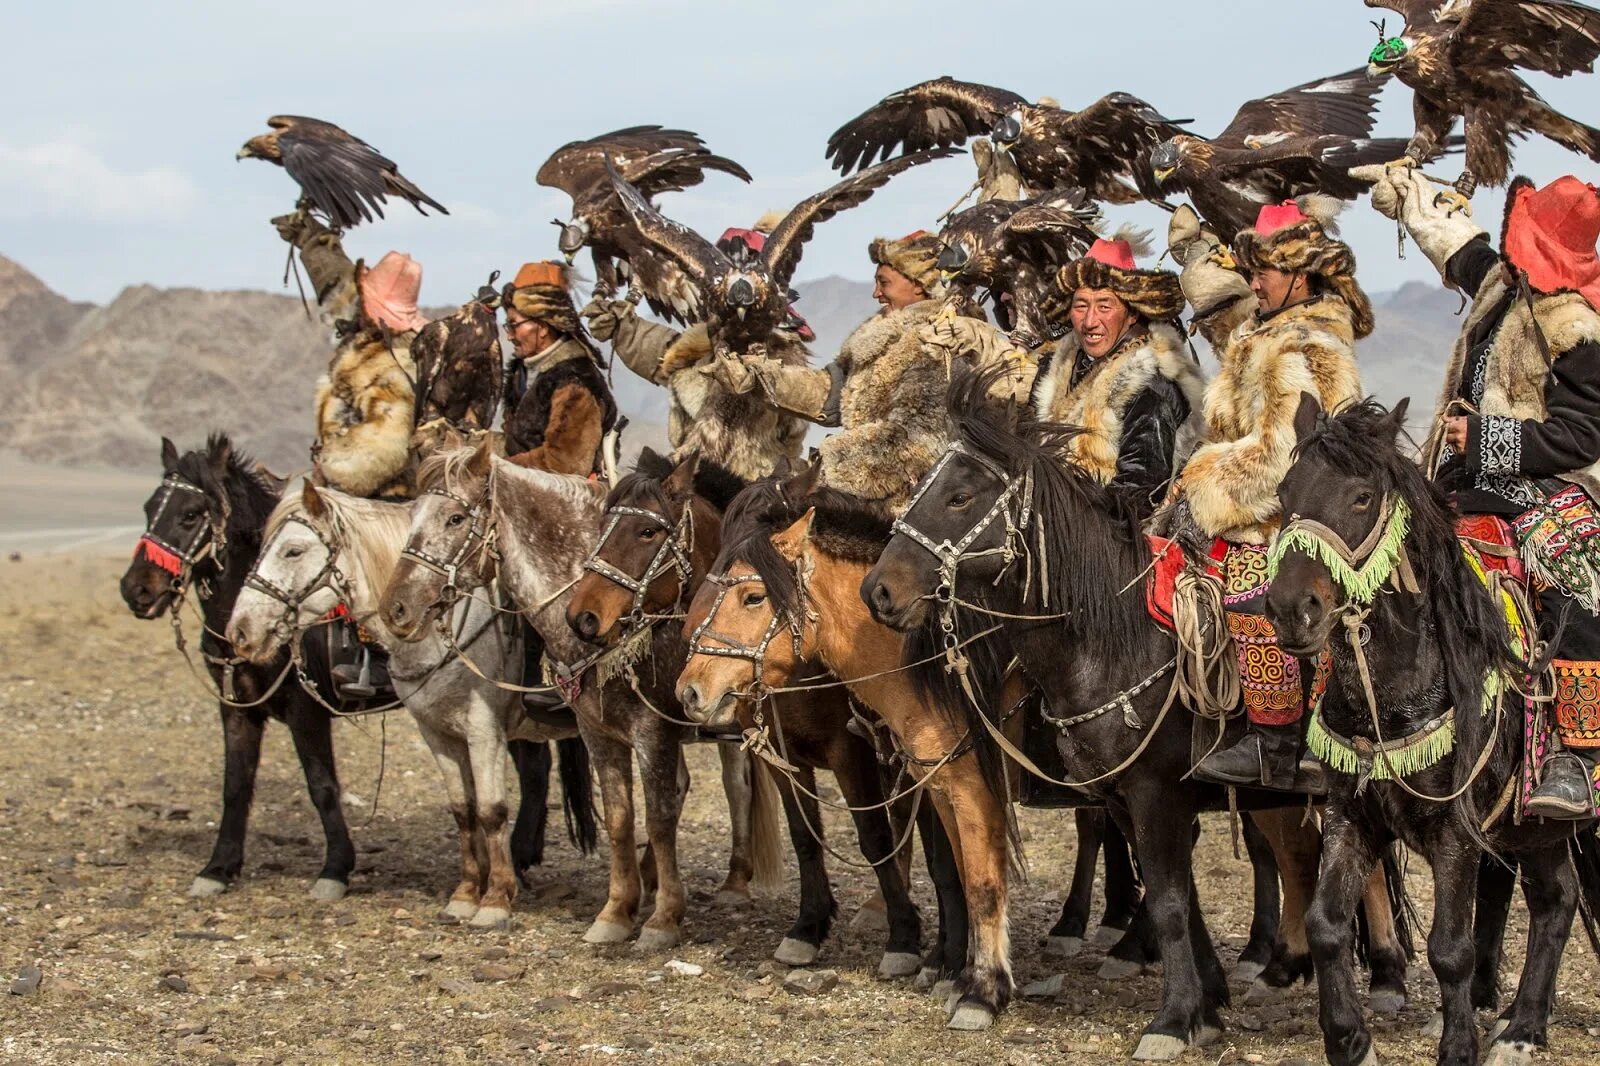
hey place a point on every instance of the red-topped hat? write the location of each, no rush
(1274, 217)
(1551, 234)
(1114, 253)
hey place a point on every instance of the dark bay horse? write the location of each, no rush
(1429, 647)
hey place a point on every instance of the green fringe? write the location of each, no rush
(1341, 757)
(1359, 585)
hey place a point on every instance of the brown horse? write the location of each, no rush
(663, 530)
(758, 626)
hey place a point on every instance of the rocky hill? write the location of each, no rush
(102, 385)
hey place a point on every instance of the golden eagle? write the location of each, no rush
(653, 160)
(1012, 249)
(1301, 140)
(340, 175)
(1095, 148)
(1460, 58)
(745, 296)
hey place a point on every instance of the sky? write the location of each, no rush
(117, 148)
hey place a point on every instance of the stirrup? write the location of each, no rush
(1563, 799)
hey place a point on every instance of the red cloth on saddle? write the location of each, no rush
(1488, 529)
(1168, 564)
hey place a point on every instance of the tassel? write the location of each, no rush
(148, 549)
(1341, 756)
(1362, 584)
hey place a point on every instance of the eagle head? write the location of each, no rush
(953, 260)
(741, 294)
(574, 235)
(1007, 131)
(264, 146)
(1165, 158)
(1389, 54)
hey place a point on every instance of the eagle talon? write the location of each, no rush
(1452, 201)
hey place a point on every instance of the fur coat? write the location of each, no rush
(365, 408)
(1100, 401)
(558, 410)
(1231, 481)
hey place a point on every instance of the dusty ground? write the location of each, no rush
(109, 778)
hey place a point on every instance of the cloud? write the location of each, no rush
(66, 179)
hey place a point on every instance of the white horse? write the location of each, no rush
(322, 548)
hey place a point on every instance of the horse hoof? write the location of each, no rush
(1207, 1035)
(943, 989)
(1434, 1028)
(1500, 1025)
(1117, 969)
(926, 978)
(1260, 992)
(326, 888)
(870, 920)
(896, 964)
(1106, 936)
(1386, 1001)
(730, 897)
(1246, 972)
(604, 932)
(1158, 1047)
(1371, 1058)
(1063, 947)
(460, 909)
(971, 1018)
(651, 939)
(490, 918)
(794, 952)
(1511, 1053)
(206, 887)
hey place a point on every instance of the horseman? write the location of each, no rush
(1124, 374)
(1299, 339)
(739, 433)
(1517, 431)
(558, 408)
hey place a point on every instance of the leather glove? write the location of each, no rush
(605, 316)
(1438, 220)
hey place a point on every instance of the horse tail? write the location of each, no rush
(577, 794)
(766, 829)
(1400, 903)
(1585, 852)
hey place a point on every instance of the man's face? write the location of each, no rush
(529, 336)
(894, 290)
(1275, 289)
(1099, 318)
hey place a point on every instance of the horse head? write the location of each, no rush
(187, 521)
(296, 579)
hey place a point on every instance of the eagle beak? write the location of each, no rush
(569, 256)
(1163, 173)
(1374, 71)
(243, 153)
(740, 312)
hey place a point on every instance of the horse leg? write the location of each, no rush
(986, 986)
(1349, 853)
(736, 784)
(1264, 915)
(1065, 938)
(1297, 846)
(1497, 882)
(1123, 894)
(1454, 859)
(664, 775)
(1213, 979)
(856, 769)
(532, 760)
(948, 956)
(1137, 949)
(312, 732)
(613, 765)
(817, 906)
(486, 751)
(1386, 958)
(454, 766)
(1163, 837)
(241, 754)
(1551, 889)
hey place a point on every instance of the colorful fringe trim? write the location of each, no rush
(1362, 583)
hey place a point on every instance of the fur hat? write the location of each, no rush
(1550, 234)
(389, 292)
(916, 255)
(543, 291)
(1154, 295)
(1294, 237)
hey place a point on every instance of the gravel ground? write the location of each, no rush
(109, 787)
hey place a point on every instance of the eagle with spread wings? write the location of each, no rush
(1460, 58)
(1012, 249)
(745, 297)
(1099, 149)
(339, 174)
(653, 160)
(1301, 140)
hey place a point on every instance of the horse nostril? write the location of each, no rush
(882, 600)
(397, 611)
(588, 625)
(689, 698)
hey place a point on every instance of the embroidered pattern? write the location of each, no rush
(1499, 444)
(1480, 374)
(1271, 680)
(1245, 574)
(1578, 702)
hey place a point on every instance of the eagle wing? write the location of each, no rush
(676, 170)
(1344, 104)
(787, 240)
(699, 259)
(1054, 227)
(934, 114)
(1417, 13)
(579, 166)
(1557, 37)
(1111, 137)
(343, 176)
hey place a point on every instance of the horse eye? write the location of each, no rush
(1363, 500)
(293, 553)
(754, 599)
(960, 500)
(650, 534)
(455, 520)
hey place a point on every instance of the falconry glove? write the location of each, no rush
(605, 316)
(1216, 290)
(321, 254)
(810, 392)
(1436, 222)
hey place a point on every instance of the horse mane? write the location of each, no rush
(1471, 631)
(715, 484)
(248, 493)
(446, 468)
(370, 533)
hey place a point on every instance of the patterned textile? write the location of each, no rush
(1577, 702)
(1561, 543)
(1274, 692)
(1500, 445)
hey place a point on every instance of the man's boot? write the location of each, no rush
(1566, 789)
(1267, 757)
(546, 707)
(366, 677)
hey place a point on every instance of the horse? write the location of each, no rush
(770, 627)
(1045, 553)
(1431, 660)
(323, 549)
(481, 519)
(663, 530)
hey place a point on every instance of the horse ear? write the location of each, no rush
(311, 500)
(478, 465)
(169, 456)
(680, 483)
(806, 482)
(783, 468)
(1397, 416)
(792, 541)
(221, 454)
(1306, 415)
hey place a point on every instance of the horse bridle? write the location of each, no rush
(480, 536)
(672, 554)
(330, 576)
(733, 647)
(208, 542)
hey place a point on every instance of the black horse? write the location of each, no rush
(1429, 647)
(203, 531)
(1057, 561)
